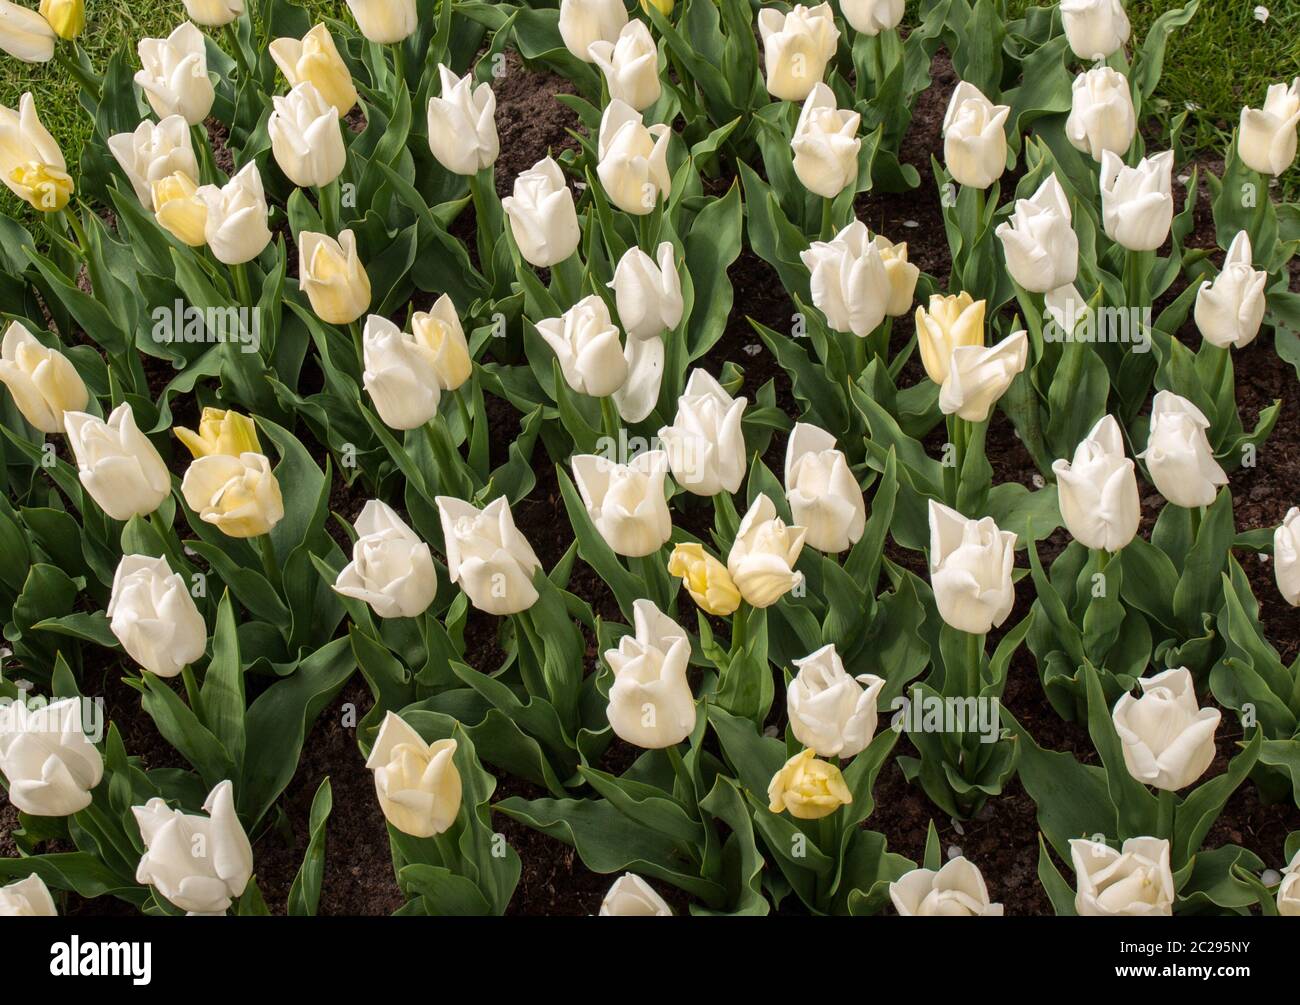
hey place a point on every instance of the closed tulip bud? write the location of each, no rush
(1288, 891)
(1286, 556)
(236, 228)
(66, 17)
(763, 555)
(220, 432)
(979, 376)
(117, 464)
(901, 273)
(633, 159)
(1167, 739)
(950, 323)
(174, 74)
(384, 21)
(1230, 310)
(823, 495)
(305, 137)
(462, 124)
(626, 502)
(200, 864)
(632, 897)
(213, 13)
(417, 783)
(401, 374)
(43, 382)
(586, 343)
(487, 556)
(871, 17)
(1040, 245)
(1266, 140)
(630, 65)
(650, 701)
(439, 330)
(1102, 116)
(825, 144)
(154, 152)
(1095, 29)
(796, 48)
(705, 443)
(24, 34)
(46, 758)
(238, 495)
(154, 616)
(1098, 493)
(644, 358)
(391, 568)
(1137, 203)
(316, 60)
(1179, 458)
(974, 137)
(849, 281)
(331, 275)
(27, 898)
(585, 22)
(807, 788)
(1136, 880)
(705, 578)
(180, 210)
(955, 891)
(970, 570)
(31, 163)
(664, 7)
(543, 219)
(648, 297)
(832, 713)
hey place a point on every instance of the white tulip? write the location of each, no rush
(1136, 880)
(762, 557)
(650, 701)
(644, 359)
(543, 219)
(305, 137)
(1266, 140)
(849, 281)
(705, 443)
(487, 556)
(1286, 556)
(626, 502)
(630, 65)
(400, 374)
(796, 48)
(462, 124)
(1230, 309)
(974, 137)
(831, 712)
(823, 494)
(385, 21)
(1137, 203)
(1095, 29)
(153, 615)
(1167, 739)
(1098, 493)
(1288, 891)
(586, 343)
(585, 22)
(153, 152)
(1178, 454)
(871, 17)
(174, 74)
(632, 159)
(391, 568)
(27, 898)
(240, 496)
(47, 760)
(43, 382)
(826, 144)
(648, 297)
(632, 897)
(1041, 247)
(955, 891)
(418, 785)
(117, 464)
(979, 376)
(25, 35)
(1102, 116)
(236, 228)
(970, 570)
(213, 13)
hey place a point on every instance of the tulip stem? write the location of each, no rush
(241, 60)
(568, 280)
(327, 196)
(609, 419)
(243, 291)
(267, 551)
(399, 68)
(1135, 278)
(192, 691)
(738, 625)
(828, 220)
(1165, 814)
(207, 168)
(685, 782)
(974, 664)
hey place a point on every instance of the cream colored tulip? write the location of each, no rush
(1095, 29)
(1230, 309)
(316, 60)
(1167, 738)
(871, 17)
(213, 13)
(385, 21)
(1266, 140)
(240, 496)
(626, 502)
(650, 701)
(586, 343)
(462, 124)
(1137, 203)
(763, 556)
(823, 494)
(1135, 881)
(49, 764)
(796, 48)
(1286, 556)
(1179, 457)
(332, 276)
(630, 65)
(154, 617)
(154, 152)
(1097, 492)
(949, 323)
(43, 382)
(27, 898)
(826, 144)
(970, 570)
(439, 330)
(31, 163)
(848, 280)
(705, 578)
(1040, 245)
(644, 359)
(632, 159)
(543, 219)
(306, 139)
(487, 556)
(25, 34)
(118, 466)
(974, 137)
(180, 210)
(400, 374)
(391, 569)
(585, 22)
(632, 897)
(955, 891)
(901, 273)
(830, 712)
(807, 788)
(174, 74)
(979, 376)
(648, 297)
(706, 443)
(1288, 891)
(1102, 116)
(236, 227)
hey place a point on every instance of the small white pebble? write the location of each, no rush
(189, 552)
(581, 186)
(911, 224)
(1270, 877)
(1183, 179)
(1038, 480)
(1261, 13)
(753, 349)
(1263, 557)
(953, 852)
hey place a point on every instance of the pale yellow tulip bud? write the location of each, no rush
(44, 384)
(331, 275)
(220, 432)
(705, 578)
(949, 323)
(178, 209)
(808, 788)
(439, 330)
(316, 59)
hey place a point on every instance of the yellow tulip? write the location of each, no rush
(950, 323)
(178, 210)
(66, 17)
(31, 163)
(221, 432)
(705, 578)
(331, 275)
(664, 7)
(808, 788)
(316, 59)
